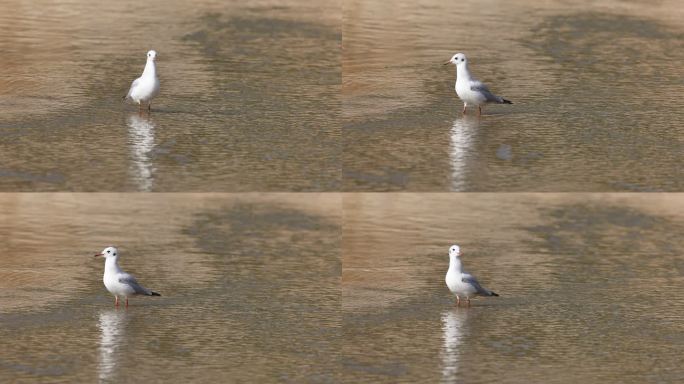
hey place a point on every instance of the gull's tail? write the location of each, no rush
(505, 101)
(492, 293)
(153, 293)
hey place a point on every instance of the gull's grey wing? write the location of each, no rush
(477, 86)
(469, 279)
(129, 280)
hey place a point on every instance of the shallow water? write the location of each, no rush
(595, 85)
(588, 286)
(249, 283)
(249, 96)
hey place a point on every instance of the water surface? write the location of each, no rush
(249, 96)
(249, 283)
(588, 286)
(595, 86)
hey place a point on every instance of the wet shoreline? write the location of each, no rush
(581, 119)
(235, 113)
(569, 269)
(249, 284)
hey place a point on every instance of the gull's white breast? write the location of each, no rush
(468, 95)
(457, 286)
(146, 89)
(111, 282)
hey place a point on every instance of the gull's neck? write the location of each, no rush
(454, 265)
(150, 69)
(462, 72)
(111, 265)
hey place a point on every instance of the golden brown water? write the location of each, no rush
(328, 96)
(249, 96)
(251, 287)
(588, 286)
(596, 88)
(249, 283)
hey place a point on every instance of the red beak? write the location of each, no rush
(97, 254)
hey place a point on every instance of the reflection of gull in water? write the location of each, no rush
(462, 140)
(453, 332)
(111, 332)
(141, 136)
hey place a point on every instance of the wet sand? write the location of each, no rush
(251, 287)
(249, 96)
(595, 87)
(249, 283)
(588, 288)
(342, 287)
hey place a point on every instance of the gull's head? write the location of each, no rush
(151, 55)
(454, 251)
(457, 59)
(108, 252)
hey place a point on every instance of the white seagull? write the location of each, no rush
(146, 87)
(461, 283)
(118, 282)
(471, 90)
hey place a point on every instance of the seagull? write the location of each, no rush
(146, 87)
(118, 282)
(471, 90)
(461, 283)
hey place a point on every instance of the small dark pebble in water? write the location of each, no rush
(181, 159)
(386, 369)
(50, 177)
(531, 156)
(633, 187)
(51, 370)
(504, 152)
(390, 177)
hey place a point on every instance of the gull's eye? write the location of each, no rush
(109, 251)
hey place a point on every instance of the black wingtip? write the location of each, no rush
(153, 293)
(494, 294)
(505, 101)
